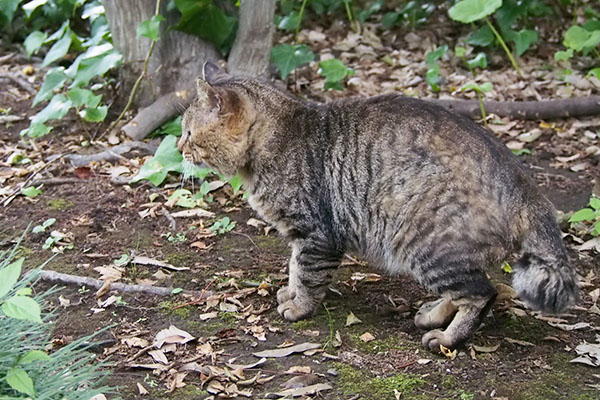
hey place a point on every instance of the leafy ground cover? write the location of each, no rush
(362, 343)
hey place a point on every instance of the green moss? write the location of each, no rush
(352, 381)
(449, 382)
(180, 259)
(228, 317)
(184, 393)
(304, 324)
(168, 307)
(391, 342)
(59, 204)
(272, 243)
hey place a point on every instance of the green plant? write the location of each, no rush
(432, 75)
(479, 89)
(413, 12)
(66, 87)
(45, 225)
(287, 57)
(204, 19)
(469, 11)
(589, 216)
(27, 368)
(222, 226)
(31, 191)
(334, 71)
(479, 61)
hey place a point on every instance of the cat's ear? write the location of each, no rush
(212, 72)
(206, 95)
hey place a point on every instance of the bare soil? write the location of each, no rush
(531, 362)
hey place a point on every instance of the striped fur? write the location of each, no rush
(413, 188)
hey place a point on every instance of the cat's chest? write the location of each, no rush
(270, 212)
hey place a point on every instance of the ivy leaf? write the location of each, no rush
(205, 20)
(166, 159)
(483, 88)
(467, 11)
(9, 276)
(56, 109)
(289, 22)
(578, 38)
(94, 114)
(563, 55)
(22, 307)
(432, 57)
(59, 49)
(34, 41)
(18, 379)
(30, 7)
(96, 66)
(31, 191)
(523, 39)
(585, 214)
(595, 203)
(36, 130)
(389, 19)
(287, 57)
(7, 10)
(480, 60)
(482, 37)
(594, 72)
(55, 79)
(150, 28)
(236, 183)
(83, 97)
(334, 71)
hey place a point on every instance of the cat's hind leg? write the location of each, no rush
(309, 274)
(471, 294)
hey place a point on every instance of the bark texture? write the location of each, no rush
(177, 58)
(250, 52)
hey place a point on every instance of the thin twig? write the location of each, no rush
(19, 81)
(137, 82)
(246, 236)
(199, 299)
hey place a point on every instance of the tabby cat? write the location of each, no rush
(408, 185)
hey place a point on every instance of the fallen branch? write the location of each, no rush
(545, 109)
(54, 276)
(56, 181)
(159, 112)
(18, 81)
(112, 154)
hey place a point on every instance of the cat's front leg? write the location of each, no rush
(309, 274)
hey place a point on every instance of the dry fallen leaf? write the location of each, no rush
(141, 260)
(141, 389)
(352, 319)
(366, 337)
(451, 354)
(195, 212)
(519, 342)
(172, 335)
(135, 342)
(284, 352)
(486, 349)
(305, 391)
(159, 356)
(571, 327)
(300, 381)
(589, 353)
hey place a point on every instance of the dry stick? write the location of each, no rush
(545, 109)
(137, 82)
(112, 154)
(56, 181)
(54, 276)
(22, 83)
(246, 236)
(168, 216)
(199, 299)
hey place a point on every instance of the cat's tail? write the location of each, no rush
(542, 277)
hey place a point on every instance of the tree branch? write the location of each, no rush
(545, 109)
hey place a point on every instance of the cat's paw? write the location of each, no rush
(284, 294)
(435, 314)
(434, 338)
(292, 311)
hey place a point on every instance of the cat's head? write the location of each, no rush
(215, 126)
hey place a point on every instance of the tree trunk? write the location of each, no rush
(250, 52)
(177, 58)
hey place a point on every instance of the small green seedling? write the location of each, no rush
(432, 76)
(589, 215)
(334, 71)
(479, 89)
(45, 225)
(222, 226)
(31, 191)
